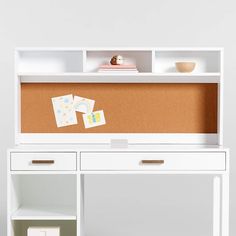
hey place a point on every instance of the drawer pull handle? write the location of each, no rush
(160, 162)
(42, 161)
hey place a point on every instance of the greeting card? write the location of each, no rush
(64, 111)
(94, 119)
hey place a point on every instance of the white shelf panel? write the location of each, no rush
(120, 78)
(44, 213)
(27, 172)
(119, 48)
(137, 138)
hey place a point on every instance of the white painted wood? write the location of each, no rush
(137, 138)
(79, 225)
(225, 205)
(84, 61)
(133, 161)
(107, 147)
(119, 78)
(17, 100)
(10, 228)
(119, 48)
(152, 172)
(81, 202)
(216, 205)
(153, 61)
(220, 99)
(62, 161)
(15, 199)
(192, 49)
(44, 213)
(43, 172)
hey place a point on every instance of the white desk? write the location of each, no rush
(72, 163)
(46, 183)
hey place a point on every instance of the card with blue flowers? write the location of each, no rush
(64, 111)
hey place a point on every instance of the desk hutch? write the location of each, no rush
(158, 122)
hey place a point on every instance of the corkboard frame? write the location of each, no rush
(166, 138)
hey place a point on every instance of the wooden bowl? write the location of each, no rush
(185, 67)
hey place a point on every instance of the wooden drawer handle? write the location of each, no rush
(153, 162)
(42, 161)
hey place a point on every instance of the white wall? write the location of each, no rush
(116, 23)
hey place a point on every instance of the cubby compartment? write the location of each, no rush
(206, 61)
(50, 61)
(142, 59)
(67, 227)
(43, 197)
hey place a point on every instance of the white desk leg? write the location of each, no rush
(216, 206)
(80, 206)
(225, 205)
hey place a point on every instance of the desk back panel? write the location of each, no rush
(128, 108)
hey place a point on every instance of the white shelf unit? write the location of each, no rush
(155, 65)
(81, 65)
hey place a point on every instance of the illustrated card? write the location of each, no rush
(64, 111)
(94, 119)
(83, 105)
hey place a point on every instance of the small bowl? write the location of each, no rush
(185, 67)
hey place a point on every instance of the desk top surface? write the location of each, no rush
(108, 148)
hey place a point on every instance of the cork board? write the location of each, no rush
(128, 108)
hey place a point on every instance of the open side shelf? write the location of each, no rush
(40, 197)
(67, 227)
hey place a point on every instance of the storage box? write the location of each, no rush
(43, 231)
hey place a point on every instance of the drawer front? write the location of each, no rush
(43, 161)
(165, 161)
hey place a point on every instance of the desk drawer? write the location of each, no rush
(43, 161)
(163, 161)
